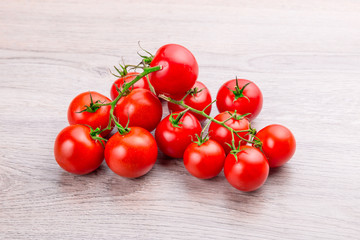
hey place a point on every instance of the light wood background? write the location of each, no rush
(304, 55)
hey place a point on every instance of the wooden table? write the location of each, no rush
(304, 55)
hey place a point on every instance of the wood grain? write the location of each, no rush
(304, 55)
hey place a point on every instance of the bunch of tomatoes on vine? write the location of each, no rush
(227, 141)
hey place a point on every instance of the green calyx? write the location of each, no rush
(202, 138)
(146, 60)
(234, 150)
(194, 91)
(236, 116)
(93, 106)
(122, 130)
(239, 92)
(95, 134)
(175, 121)
(121, 73)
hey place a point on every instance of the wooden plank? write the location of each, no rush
(305, 56)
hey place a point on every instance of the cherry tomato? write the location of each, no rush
(75, 150)
(179, 70)
(142, 83)
(199, 98)
(278, 144)
(141, 107)
(223, 136)
(173, 137)
(243, 99)
(205, 161)
(98, 118)
(249, 171)
(133, 154)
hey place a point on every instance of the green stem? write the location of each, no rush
(202, 113)
(126, 87)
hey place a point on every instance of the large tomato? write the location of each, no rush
(173, 137)
(142, 83)
(204, 161)
(179, 70)
(98, 118)
(249, 171)
(141, 107)
(278, 144)
(245, 97)
(133, 154)
(198, 98)
(223, 136)
(76, 151)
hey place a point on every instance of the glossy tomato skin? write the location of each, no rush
(198, 101)
(142, 83)
(205, 161)
(76, 152)
(249, 172)
(179, 70)
(173, 141)
(131, 155)
(141, 107)
(278, 144)
(100, 118)
(226, 98)
(223, 136)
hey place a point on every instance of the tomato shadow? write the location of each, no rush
(277, 171)
(217, 192)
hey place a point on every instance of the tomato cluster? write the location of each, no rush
(230, 143)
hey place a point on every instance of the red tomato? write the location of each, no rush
(278, 144)
(223, 136)
(141, 107)
(142, 83)
(99, 118)
(76, 152)
(204, 161)
(179, 70)
(173, 138)
(249, 172)
(199, 98)
(250, 100)
(133, 154)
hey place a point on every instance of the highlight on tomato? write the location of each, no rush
(141, 108)
(240, 95)
(79, 149)
(175, 132)
(246, 169)
(204, 159)
(277, 143)
(179, 70)
(131, 153)
(83, 110)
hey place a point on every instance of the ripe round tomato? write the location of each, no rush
(223, 136)
(142, 83)
(99, 118)
(76, 152)
(278, 144)
(179, 70)
(249, 172)
(173, 138)
(199, 98)
(133, 154)
(141, 107)
(204, 161)
(250, 100)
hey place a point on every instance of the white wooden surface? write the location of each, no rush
(304, 55)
